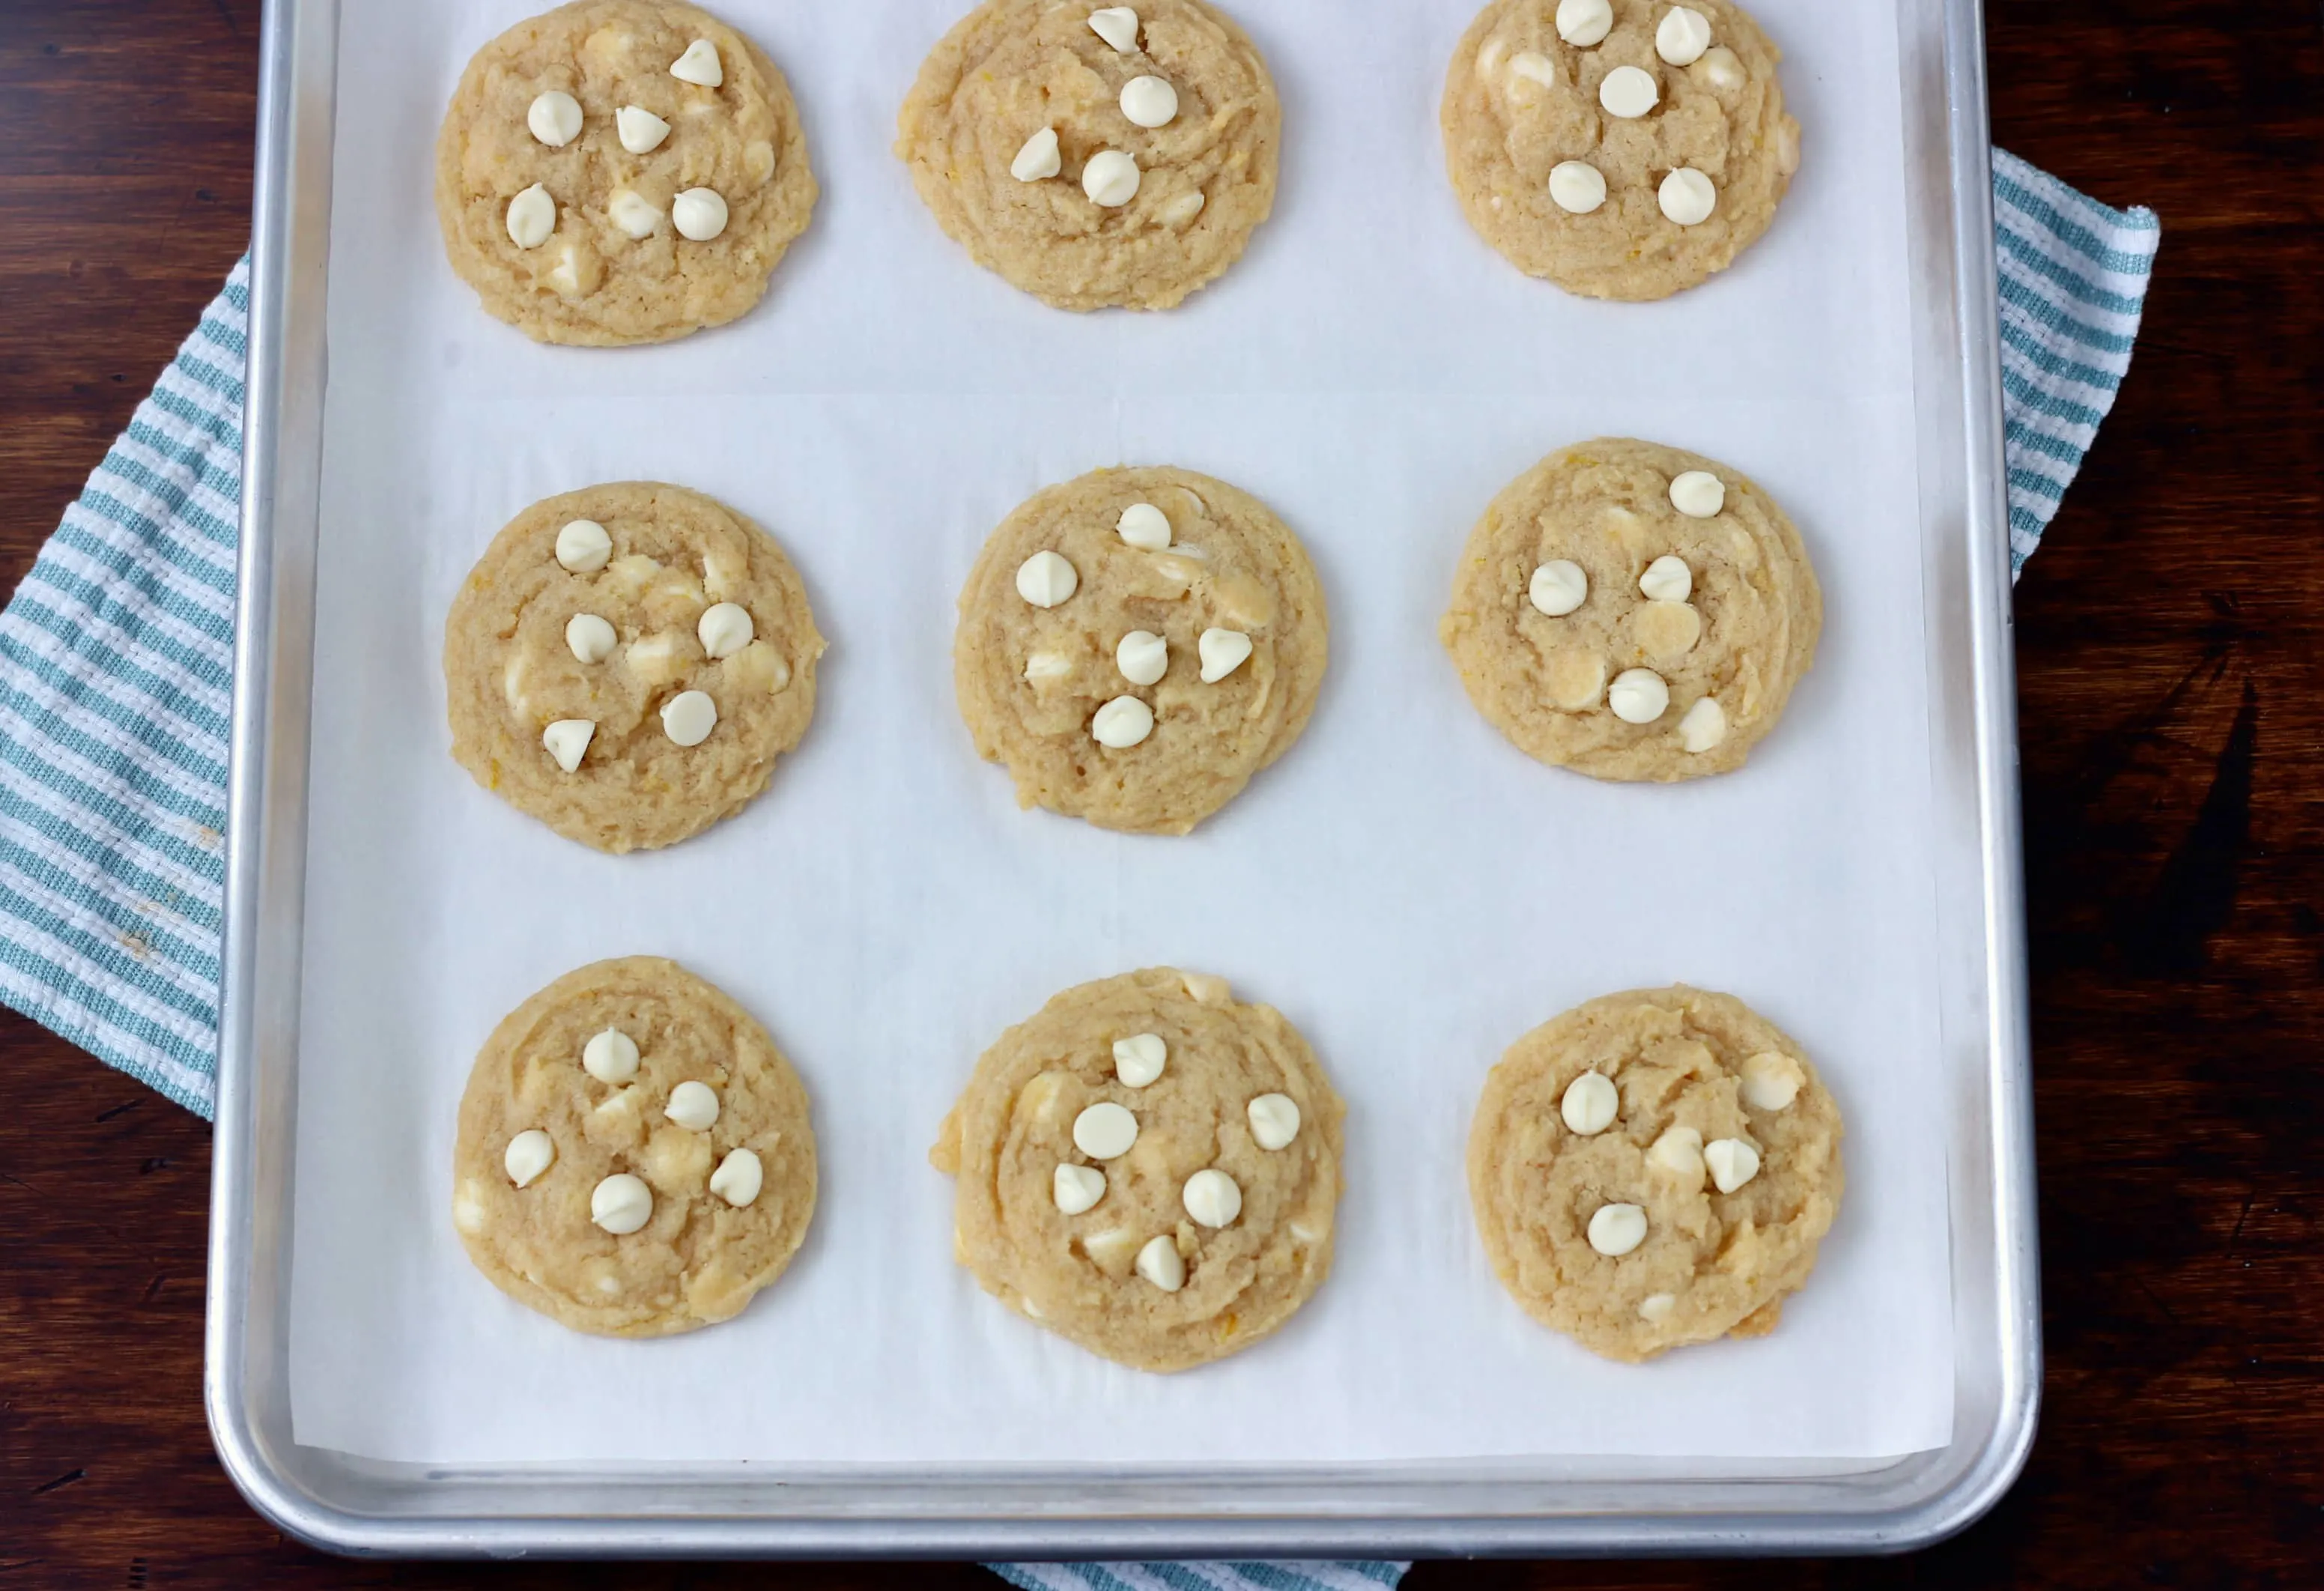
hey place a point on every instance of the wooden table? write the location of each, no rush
(2173, 707)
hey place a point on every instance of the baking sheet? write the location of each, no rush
(1408, 889)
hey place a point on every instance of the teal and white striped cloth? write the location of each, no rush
(117, 677)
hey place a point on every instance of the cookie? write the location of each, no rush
(1134, 645)
(626, 662)
(621, 171)
(1095, 156)
(1623, 149)
(1655, 1169)
(1633, 612)
(1147, 1167)
(634, 1157)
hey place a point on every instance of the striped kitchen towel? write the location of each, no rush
(2073, 285)
(117, 677)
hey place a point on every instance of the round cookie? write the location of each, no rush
(636, 1074)
(1628, 154)
(1135, 644)
(579, 666)
(677, 179)
(1653, 1169)
(1021, 139)
(1147, 1167)
(1633, 612)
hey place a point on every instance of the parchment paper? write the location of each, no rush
(1408, 889)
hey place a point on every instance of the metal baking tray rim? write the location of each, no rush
(1575, 1506)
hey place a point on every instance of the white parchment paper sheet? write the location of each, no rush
(1408, 889)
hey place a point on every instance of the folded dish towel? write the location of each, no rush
(117, 679)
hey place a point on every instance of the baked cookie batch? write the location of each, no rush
(1147, 1166)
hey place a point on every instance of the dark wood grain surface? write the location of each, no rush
(2172, 660)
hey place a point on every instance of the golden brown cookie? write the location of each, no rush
(626, 662)
(1135, 644)
(1095, 155)
(1633, 612)
(621, 171)
(1623, 149)
(634, 1157)
(1655, 1169)
(1147, 1167)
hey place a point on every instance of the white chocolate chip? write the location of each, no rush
(1212, 1198)
(1149, 101)
(566, 739)
(1724, 67)
(1687, 197)
(1628, 92)
(699, 65)
(1105, 1130)
(689, 716)
(1590, 1104)
(1039, 158)
(1045, 579)
(1159, 1263)
(1655, 1307)
(635, 215)
(1140, 1058)
(1683, 37)
(640, 130)
(1668, 580)
(739, 1178)
(590, 638)
(1109, 1247)
(532, 218)
(1638, 695)
(620, 1204)
(1698, 494)
(1143, 657)
(1679, 1152)
(1772, 1080)
(530, 1153)
(611, 1056)
(1618, 1228)
(693, 1105)
(1732, 1162)
(1111, 179)
(1117, 25)
(566, 275)
(653, 658)
(468, 1208)
(1274, 1120)
(724, 629)
(1704, 725)
(1183, 208)
(1222, 652)
(555, 118)
(1077, 1188)
(1122, 723)
(1558, 587)
(1046, 665)
(1205, 988)
(1577, 676)
(1532, 66)
(582, 546)
(1144, 527)
(1577, 187)
(699, 214)
(1584, 22)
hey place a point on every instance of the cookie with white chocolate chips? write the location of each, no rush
(1135, 644)
(627, 662)
(1148, 1168)
(1653, 1169)
(1633, 612)
(635, 1156)
(1623, 149)
(619, 172)
(1095, 156)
